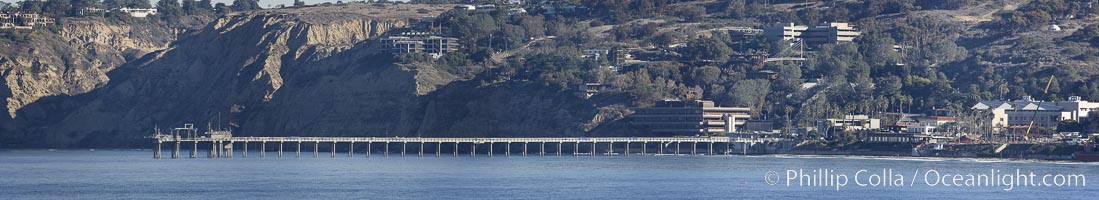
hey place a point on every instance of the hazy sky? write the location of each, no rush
(264, 3)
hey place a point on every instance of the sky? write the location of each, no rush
(264, 3)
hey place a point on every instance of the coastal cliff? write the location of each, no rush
(75, 58)
(286, 72)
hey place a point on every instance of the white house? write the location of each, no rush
(465, 7)
(139, 12)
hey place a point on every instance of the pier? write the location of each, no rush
(222, 145)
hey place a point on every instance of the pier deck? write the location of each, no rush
(227, 142)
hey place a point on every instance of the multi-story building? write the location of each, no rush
(930, 125)
(415, 42)
(23, 20)
(828, 32)
(1078, 109)
(1024, 112)
(784, 31)
(695, 117)
(849, 123)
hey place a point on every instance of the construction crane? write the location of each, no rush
(1035, 115)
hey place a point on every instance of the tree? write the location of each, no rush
(693, 13)
(889, 86)
(789, 76)
(192, 7)
(206, 6)
(742, 9)
(5, 7)
(112, 4)
(1093, 121)
(299, 3)
(221, 9)
(189, 7)
(31, 6)
(534, 25)
(709, 49)
(751, 93)
(246, 5)
(56, 8)
(1088, 34)
(706, 75)
(879, 50)
(836, 60)
(169, 9)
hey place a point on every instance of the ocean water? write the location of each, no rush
(70, 174)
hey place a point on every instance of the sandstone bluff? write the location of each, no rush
(287, 72)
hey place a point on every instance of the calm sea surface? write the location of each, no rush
(28, 174)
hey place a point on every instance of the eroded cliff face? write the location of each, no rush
(292, 72)
(75, 59)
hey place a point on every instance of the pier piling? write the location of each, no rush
(213, 150)
(610, 149)
(694, 149)
(559, 148)
(627, 149)
(711, 149)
